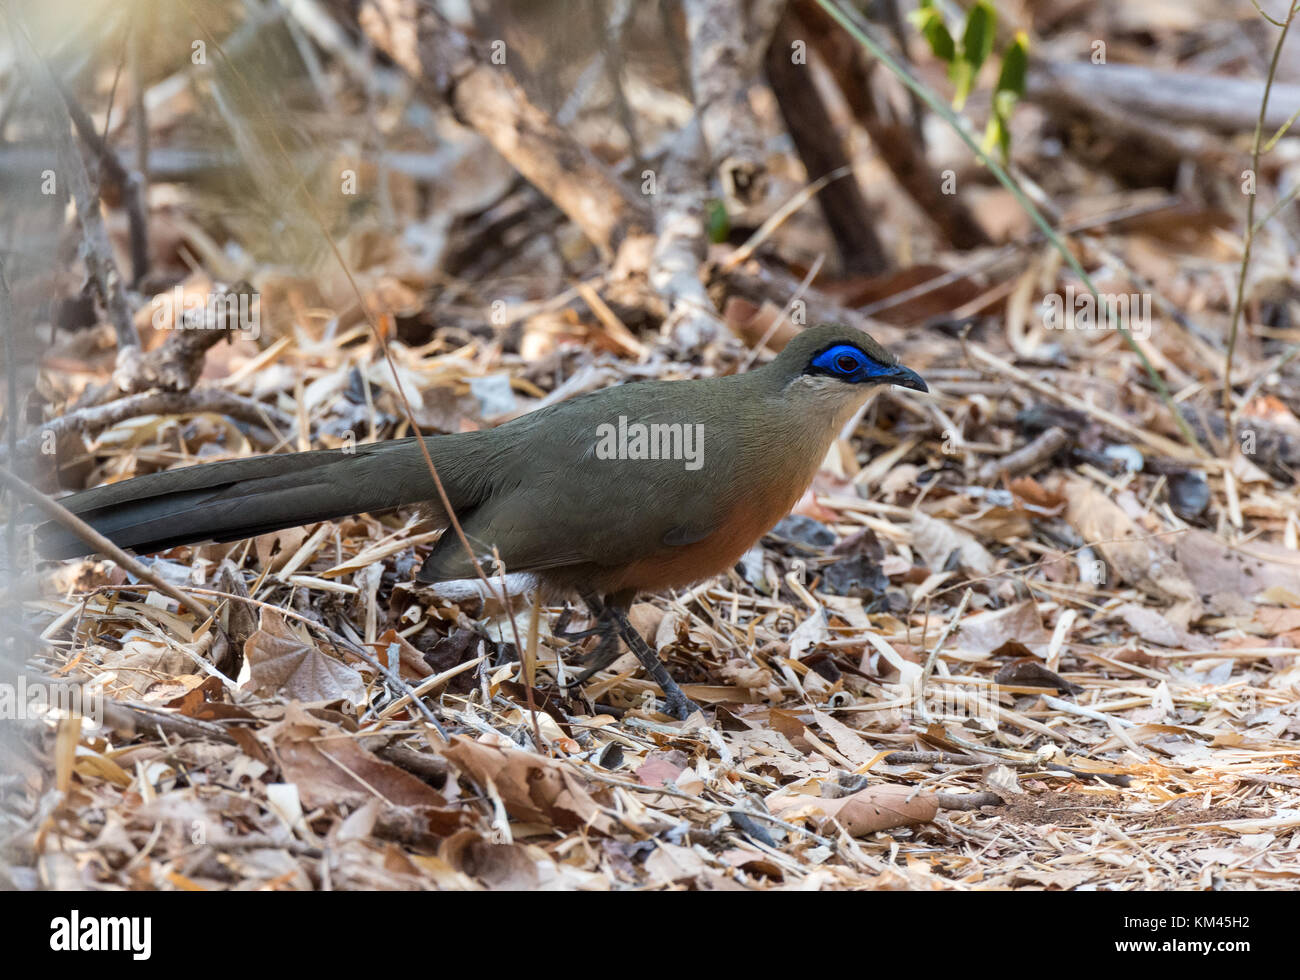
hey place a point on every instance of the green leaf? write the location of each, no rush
(719, 222)
(934, 30)
(997, 134)
(923, 12)
(1280, 133)
(1015, 66)
(977, 41)
(1003, 103)
(962, 73)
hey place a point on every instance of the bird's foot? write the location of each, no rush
(678, 705)
(561, 629)
(605, 653)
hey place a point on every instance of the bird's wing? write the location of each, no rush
(560, 502)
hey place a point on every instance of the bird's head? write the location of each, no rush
(837, 365)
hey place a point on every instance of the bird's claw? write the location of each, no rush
(680, 707)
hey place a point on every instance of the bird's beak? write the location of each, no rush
(906, 378)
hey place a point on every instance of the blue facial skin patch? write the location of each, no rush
(847, 362)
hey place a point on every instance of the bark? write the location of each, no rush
(93, 420)
(895, 140)
(726, 45)
(1113, 131)
(822, 151)
(682, 243)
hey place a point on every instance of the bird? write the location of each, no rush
(636, 488)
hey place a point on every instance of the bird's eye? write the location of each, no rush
(843, 361)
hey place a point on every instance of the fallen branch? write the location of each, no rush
(842, 204)
(1028, 457)
(451, 68)
(727, 40)
(90, 421)
(175, 365)
(1137, 149)
(1229, 105)
(115, 181)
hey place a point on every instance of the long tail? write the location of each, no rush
(241, 498)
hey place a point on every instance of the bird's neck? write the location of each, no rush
(795, 424)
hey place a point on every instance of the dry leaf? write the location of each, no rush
(1136, 557)
(983, 633)
(329, 767)
(534, 789)
(937, 539)
(282, 662)
(867, 811)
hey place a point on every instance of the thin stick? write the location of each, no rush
(98, 253)
(1250, 217)
(779, 216)
(928, 669)
(364, 306)
(96, 418)
(379, 336)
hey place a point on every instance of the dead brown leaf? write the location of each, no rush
(1135, 557)
(282, 662)
(534, 788)
(867, 811)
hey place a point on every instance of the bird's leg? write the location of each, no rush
(612, 623)
(606, 653)
(677, 703)
(606, 650)
(561, 629)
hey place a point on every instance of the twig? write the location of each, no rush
(778, 218)
(967, 801)
(98, 252)
(1027, 457)
(1158, 442)
(121, 714)
(785, 313)
(353, 648)
(1070, 708)
(100, 417)
(750, 812)
(1249, 239)
(451, 44)
(933, 758)
(427, 767)
(611, 56)
(953, 624)
(117, 176)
